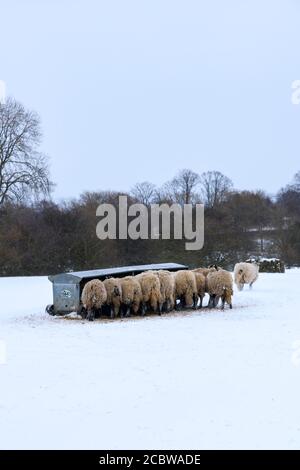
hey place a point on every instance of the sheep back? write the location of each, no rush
(150, 287)
(167, 288)
(131, 292)
(245, 273)
(114, 291)
(93, 294)
(220, 284)
(185, 285)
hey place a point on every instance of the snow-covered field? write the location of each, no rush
(206, 379)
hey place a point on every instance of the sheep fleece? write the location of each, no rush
(150, 286)
(185, 285)
(245, 273)
(93, 294)
(114, 291)
(131, 292)
(216, 281)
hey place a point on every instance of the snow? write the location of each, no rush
(269, 260)
(260, 259)
(197, 380)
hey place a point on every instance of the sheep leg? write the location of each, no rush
(216, 300)
(99, 312)
(90, 315)
(156, 307)
(195, 301)
(83, 313)
(181, 303)
(153, 305)
(201, 301)
(143, 309)
(122, 311)
(160, 308)
(223, 303)
(127, 313)
(112, 312)
(211, 301)
(116, 310)
(136, 307)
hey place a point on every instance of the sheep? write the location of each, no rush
(186, 288)
(205, 272)
(219, 284)
(201, 286)
(167, 289)
(114, 295)
(131, 295)
(151, 295)
(93, 297)
(245, 273)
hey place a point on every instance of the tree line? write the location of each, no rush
(39, 236)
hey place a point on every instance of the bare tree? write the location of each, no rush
(23, 169)
(144, 192)
(214, 187)
(295, 185)
(181, 189)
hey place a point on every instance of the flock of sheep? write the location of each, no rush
(164, 291)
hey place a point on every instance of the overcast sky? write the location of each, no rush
(134, 90)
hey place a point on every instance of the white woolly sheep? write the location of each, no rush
(220, 285)
(167, 289)
(151, 295)
(205, 272)
(245, 273)
(93, 297)
(131, 295)
(114, 295)
(186, 288)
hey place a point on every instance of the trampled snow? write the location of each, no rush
(201, 380)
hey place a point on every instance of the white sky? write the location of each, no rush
(136, 90)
